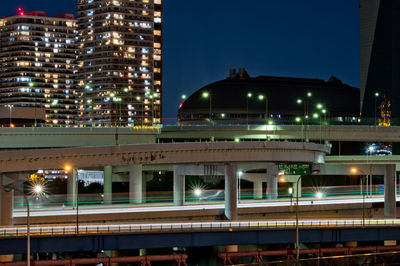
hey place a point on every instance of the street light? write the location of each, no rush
(354, 171)
(38, 189)
(261, 98)
(376, 95)
(138, 99)
(67, 169)
(31, 85)
(248, 96)
(206, 95)
(198, 192)
(240, 174)
(11, 107)
(369, 180)
(290, 190)
(319, 195)
(297, 222)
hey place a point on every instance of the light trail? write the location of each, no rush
(88, 229)
(131, 209)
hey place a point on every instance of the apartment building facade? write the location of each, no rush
(38, 65)
(119, 62)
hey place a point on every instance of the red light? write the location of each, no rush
(19, 9)
(21, 13)
(180, 106)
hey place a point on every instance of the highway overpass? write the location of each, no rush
(195, 234)
(185, 157)
(55, 137)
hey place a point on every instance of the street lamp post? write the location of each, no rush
(31, 85)
(354, 171)
(320, 107)
(306, 115)
(376, 94)
(240, 173)
(262, 97)
(10, 106)
(324, 111)
(68, 168)
(298, 119)
(37, 190)
(206, 95)
(291, 195)
(297, 222)
(369, 179)
(248, 96)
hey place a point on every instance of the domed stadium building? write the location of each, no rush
(241, 99)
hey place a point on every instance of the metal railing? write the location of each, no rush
(194, 227)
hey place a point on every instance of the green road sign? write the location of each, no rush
(294, 168)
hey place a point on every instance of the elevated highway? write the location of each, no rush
(226, 154)
(335, 207)
(194, 234)
(53, 137)
(156, 154)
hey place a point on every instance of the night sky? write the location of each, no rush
(204, 39)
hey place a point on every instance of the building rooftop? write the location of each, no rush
(239, 94)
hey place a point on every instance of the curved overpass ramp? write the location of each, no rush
(158, 154)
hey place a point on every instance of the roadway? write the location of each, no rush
(53, 137)
(130, 208)
(341, 206)
(195, 234)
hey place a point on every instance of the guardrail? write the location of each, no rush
(193, 227)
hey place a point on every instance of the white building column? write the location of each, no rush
(179, 187)
(146, 177)
(6, 211)
(231, 189)
(19, 201)
(6, 201)
(257, 188)
(72, 187)
(272, 181)
(390, 191)
(107, 184)
(135, 184)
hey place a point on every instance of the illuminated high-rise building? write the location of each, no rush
(380, 59)
(37, 65)
(120, 62)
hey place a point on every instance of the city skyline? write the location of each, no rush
(314, 40)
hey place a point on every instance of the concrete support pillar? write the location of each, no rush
(6, 210)
(231, 196)
(18, 198)
(146, 178)
(108, 184)
(72, 187)
(6, 199)
(390, 191)
(257, 189)
(272, 181)
(135, 184)
(179, 188)
(295, 188)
